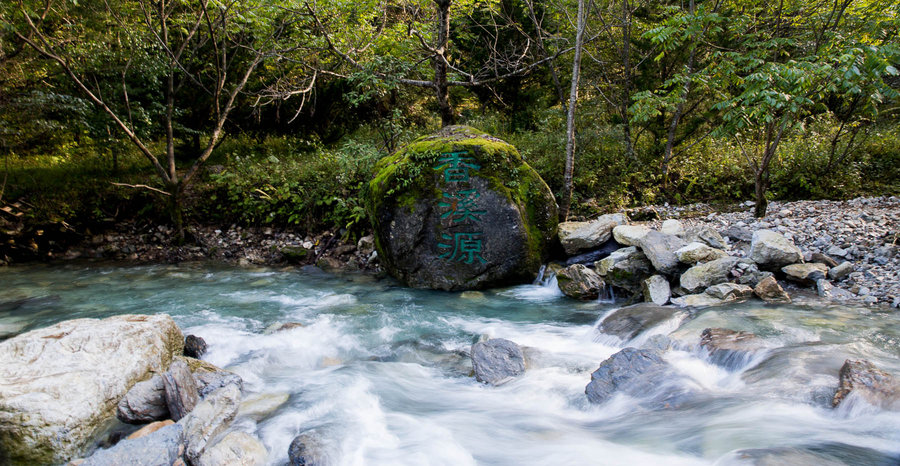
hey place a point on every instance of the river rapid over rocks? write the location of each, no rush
(370, 373)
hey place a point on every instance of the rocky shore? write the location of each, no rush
(864, 232)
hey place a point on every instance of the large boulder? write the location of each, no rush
(771, 250)
(806, 274)
(626, 268)
(660, 249)
(59, 384)
(577, 237)
(728, 347)
(579, 282)
(629, 235)
(639, 373)
(702, 276)
(657, 290)
(497, 360)
(698, 252)
(460, 210)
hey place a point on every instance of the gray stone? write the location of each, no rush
(276, 327)
(161, 448)
(210, 378)
(672, 227)
(770, 291)
(307, 450)
(698, 300)
(145, 402)
(705, 234)
(660, 250)
(822, 259)
(629, 235)
(698, 252)
(772, 250)
(639, 373)
(497, 360)
(235, 449)
(874, 385)
(577, 237)
(366, 245)
(841, 271)
(737, 233)
(208, 419)
(836, 252)
(629, 321)
(60, 383)
(445, 216)
(806, 274)
(730, 292)
(702, 276)
(262, 405)
(579, 282)
(748, 273)
(626, 268)
(181, 390)
(656, 290)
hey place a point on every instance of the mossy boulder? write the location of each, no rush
(459, 210)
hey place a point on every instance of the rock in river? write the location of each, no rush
(578, 237)
(635, 372)
(874, 385)
(60, 383)
(460, 210)
(627, 322)
(144, 402)
(579, 282)
(497, 360)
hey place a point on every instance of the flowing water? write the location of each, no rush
(381, 372)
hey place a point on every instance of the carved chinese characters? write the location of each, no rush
(461, 238)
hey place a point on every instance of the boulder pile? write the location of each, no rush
(689, 265)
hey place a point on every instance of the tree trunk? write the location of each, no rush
(176, 212)
(761, 185)
(626, 84)
(568, 175)
(440, 62)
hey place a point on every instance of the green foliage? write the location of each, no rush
(286, 182)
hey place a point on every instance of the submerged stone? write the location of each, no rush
(497, 360)
(460, 210)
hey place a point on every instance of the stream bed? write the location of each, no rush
(381, 373)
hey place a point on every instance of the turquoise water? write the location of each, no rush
(381, 372)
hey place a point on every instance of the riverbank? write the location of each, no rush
(862, 231)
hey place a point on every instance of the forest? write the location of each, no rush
(252, 112)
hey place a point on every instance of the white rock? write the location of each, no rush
(629, 235)
(657, 290)
(771, 249)
(58, 384)
(235, 449)
(698, 252)
(672, 227)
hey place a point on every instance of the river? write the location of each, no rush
(381, 372)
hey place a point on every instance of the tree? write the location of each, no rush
(580, 26)
(198, 47)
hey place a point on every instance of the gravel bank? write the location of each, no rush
(862, 231)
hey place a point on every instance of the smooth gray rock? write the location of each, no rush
(698, 252)
(702, 276)
(161, 448)
(823, 259)
(497, 360)
(262, 405)
(577, 237)
(145, 402)
(770, 291)
(59, 384)
(629, 235)
(307, 450)
(626, 268)
(660, 250)
(235, 449)
(841, 271)
(629, 321)
(181, 390)
(771, 250)
(698, 300)
(208, 419)
(656, 290)
(806, 274)
(579, 282)
(737, 233)
(210, 378)
(639, 373)
(873, 384)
